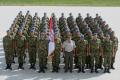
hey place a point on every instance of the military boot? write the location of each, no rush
(105, 70)
(10, 67)
(96, 67)
(40, 70)
(57, 69)
(53, 70)
(112, 67)
(92, 69)
(21, 66)
(33, 66)
(83, 71)
(7, 66)
(79, 69)
(108, 70)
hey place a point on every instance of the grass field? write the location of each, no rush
(61, 2)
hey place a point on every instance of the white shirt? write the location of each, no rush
(69, 46)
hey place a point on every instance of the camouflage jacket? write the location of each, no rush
(8, 43)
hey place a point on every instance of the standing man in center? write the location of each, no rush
(69, 49)
(32, 48)
(20, 42)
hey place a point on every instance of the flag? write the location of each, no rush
(51, 44)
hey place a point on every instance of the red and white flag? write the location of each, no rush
(51, 44)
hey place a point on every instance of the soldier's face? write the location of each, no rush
(8, 33)
(108, 37)
(42, 36)
(32, 33)
(20, 33)
(95, 37)
(88, 15)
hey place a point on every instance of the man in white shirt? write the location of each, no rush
(68, 50)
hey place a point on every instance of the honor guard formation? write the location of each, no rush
(87, 43)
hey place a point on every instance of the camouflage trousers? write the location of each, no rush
(94, 58)
(20, 53)
(32, 55)
(42, 58)
(107, 59)
(56, 59)
(81, 59)
(9, 56)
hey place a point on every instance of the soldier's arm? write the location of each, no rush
(113, 50)
(89, 50)
(4, 43)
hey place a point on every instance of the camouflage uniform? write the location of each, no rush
(32, 44)
(8, 48)
(108, 46)
(115, 48)
(20, 45)
(56, 55)
(95, 52)
(81, 53)
(76, 38)
(88, 37)
(42, 56)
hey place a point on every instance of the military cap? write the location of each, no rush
(32, 31)
(20, 30)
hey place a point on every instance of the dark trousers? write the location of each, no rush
(68, 60)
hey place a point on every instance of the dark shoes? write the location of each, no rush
(32, 66)
(20, 66)
(8, 67)
(106, 70)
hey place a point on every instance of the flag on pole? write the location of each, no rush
(51, 44)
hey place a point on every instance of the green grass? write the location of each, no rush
(61, 2)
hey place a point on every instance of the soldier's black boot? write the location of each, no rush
(96, 69)
(92, 70)
(33, 66)
(105, 70)
(45, 67)
(7, 66)
(57, 70)
(53, 70)
(100, 62)
(83, 71)
(43, 70)
(21, 66)
(30, 66)
(40, 70)
(108, 70)
(112, 62)
(10, 67)
(112, 67)
(79, 69)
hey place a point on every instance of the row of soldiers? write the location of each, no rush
(95, 41)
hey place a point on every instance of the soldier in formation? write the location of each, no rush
(95, 43)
